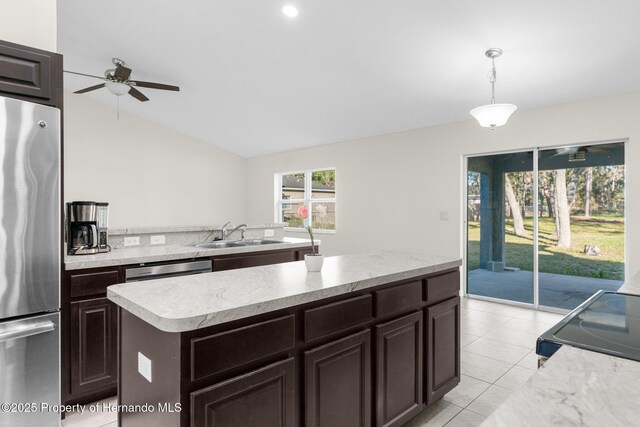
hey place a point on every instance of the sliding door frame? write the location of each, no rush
(536, 282)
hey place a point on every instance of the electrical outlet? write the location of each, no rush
(157, 240)
(444, 216)
(132, 241)
(144, 366)
(269, 233)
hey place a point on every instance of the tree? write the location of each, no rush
(516, 214)
(563, 215)
(587, 192)
(547, 191)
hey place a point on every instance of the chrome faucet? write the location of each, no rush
(226, 234)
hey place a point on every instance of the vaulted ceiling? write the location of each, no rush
(254, 81)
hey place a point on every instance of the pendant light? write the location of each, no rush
(492, 115)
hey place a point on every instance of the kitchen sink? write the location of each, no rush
(235, 243)
(254, 242)
(218, 245)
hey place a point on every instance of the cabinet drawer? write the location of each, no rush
(92, 283)
(226, 350)
(339, 316)
(440, 288)
(231, 263)
(399, 298)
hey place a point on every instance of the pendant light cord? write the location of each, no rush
(492, 79)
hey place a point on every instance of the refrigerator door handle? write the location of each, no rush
(27, 332)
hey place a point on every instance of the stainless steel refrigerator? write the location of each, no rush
(30, 231)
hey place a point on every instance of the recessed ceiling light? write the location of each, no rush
(290, 10)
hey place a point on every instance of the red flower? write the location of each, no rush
(303, 211)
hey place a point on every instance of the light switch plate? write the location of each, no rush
(132, 241)
(157, 240)
(269, 233)
(144, 366)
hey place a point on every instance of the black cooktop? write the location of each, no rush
(608, 322)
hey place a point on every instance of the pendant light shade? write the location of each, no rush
(493, 115)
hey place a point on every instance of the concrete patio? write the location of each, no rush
(556, 290)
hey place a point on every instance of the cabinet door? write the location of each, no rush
(399, 370)
(230, 263)
(262, 398)
(338, 383)
(30, 74)
(93, 345)
(443, 348)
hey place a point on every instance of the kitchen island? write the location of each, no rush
(373, 339)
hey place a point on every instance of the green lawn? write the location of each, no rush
(606, 232)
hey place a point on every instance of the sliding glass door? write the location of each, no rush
(581, 223)
(546, 227)
(500, 226)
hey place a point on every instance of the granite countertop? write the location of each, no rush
(576, 387)
(191, 302)
(143, 254)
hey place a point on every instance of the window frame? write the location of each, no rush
(307, 200)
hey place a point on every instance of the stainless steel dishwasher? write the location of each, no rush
(163, 270)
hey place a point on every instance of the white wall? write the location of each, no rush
(29, 22)
(149, 174)
(420, 172)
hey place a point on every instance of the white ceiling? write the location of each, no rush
(255, 82)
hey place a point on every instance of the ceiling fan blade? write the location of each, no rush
(122, 72)
(89, 89)
(598, 149)
(138, 95)
(152, 85)
(563, 151)
(83, 74)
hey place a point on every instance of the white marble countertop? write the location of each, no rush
(142, 254)
(190, 302)
(577, 387)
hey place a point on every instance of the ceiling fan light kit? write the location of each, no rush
(117, 88)
(493, 115)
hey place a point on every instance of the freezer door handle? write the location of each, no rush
(27, 332)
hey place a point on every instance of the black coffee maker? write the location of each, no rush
(87, 228)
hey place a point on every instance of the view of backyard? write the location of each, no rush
(604, 231)
(578, 196)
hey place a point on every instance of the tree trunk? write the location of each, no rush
(518, 224)
(563, 218)
(587, 192)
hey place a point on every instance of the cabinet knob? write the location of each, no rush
(42, 124)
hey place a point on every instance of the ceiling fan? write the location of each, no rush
(117, 81)
(579, 154)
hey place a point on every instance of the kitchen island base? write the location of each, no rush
(375, 356)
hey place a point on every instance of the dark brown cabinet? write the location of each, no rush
(337, 379)
(89, 335)
(399, 370)
(443, 348)
(93, 345)
(30, 74)
(262, 398)
(252, 260)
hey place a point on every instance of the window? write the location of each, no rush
(315, 189)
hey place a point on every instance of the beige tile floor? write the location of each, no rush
(497, 357)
